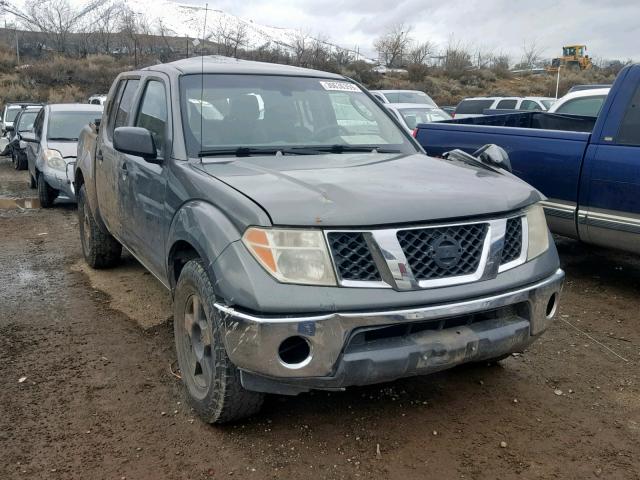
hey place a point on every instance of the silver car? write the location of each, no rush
(52, 148)
(413, 114)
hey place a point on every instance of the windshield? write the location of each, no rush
(26, 121)
(66, 126)
(414, 116)
(248, 111)
(12, 113)
(547, 103)
(410, 97)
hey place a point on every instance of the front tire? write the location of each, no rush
(211, 380)
(99, 248)
(46, 194)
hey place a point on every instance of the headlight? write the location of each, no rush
(53, 158)
(291, 256)
(538, 232)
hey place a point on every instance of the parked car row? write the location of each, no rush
(43, 140)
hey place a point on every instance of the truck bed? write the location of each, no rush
(536, 154)
(534, 120)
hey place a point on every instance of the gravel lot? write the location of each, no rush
(99, 400)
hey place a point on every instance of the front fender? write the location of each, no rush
(203, 226)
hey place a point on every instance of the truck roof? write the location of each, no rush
(220, 64)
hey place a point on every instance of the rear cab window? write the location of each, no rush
(629, 133)
(473, 106)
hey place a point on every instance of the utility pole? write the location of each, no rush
(17, 45)
(558, 81)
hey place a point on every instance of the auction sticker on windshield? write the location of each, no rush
(340, 86)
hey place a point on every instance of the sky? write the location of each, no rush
(610, 29)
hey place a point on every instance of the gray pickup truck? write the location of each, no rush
(307, 240)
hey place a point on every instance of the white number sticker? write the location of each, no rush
(340, 86)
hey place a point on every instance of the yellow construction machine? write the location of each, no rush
(573, 57)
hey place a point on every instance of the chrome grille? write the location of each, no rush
(442, 252)
(512, 240)
(352, 257)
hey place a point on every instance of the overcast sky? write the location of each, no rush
(611, 29)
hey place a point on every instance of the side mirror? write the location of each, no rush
(135, 141)
(494, 155)
(29, 137)
(97, 122)
(9, 128)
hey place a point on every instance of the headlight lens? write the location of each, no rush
(53, 159)
(538, 232)
(292, 256)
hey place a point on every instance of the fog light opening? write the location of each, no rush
(295, 352)
(552, 304)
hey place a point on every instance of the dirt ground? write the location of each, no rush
(99, 400)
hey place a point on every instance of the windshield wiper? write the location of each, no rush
(341, 148)
(63, 139)
(249, 151)
(297, 150)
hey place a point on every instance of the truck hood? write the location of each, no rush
(67, 149)
(369, 189)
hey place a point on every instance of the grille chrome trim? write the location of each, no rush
(523, 252)
(396, 272)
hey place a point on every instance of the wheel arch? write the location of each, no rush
(198, 230)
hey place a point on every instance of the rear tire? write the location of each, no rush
(21, 161)
(212, 382)
(46, 194)
(99, 248)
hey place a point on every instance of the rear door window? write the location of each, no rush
(508, 104)
(153, 114)
(530, 105)
(473, 107)
(121, 105)
(629, 133)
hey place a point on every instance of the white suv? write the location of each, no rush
(473, 107)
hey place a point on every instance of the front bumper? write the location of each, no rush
(437, 337)
(61, 180)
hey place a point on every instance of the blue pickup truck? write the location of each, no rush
(588, 168)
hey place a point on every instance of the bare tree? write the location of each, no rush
(500, 64)
(56, 19)
(457, 58)
(133, 28)
(394, 44)
(420, 52)
(301, 47)
(531, 54)
(107, 19)
(230, 35)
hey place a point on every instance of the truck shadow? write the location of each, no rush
(608, 268)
